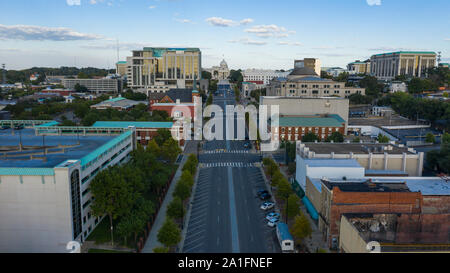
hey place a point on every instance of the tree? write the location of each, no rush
(182, 190)
(445, 138)
(124, 228)
(169, 234)
(162, 136)
(293, 208)
(336, 137)
(382, 138)
(206, 75)
(153, 148)
(160, 250)
(83, 75)
(170, 150)
(429, 138)
(187, 177)
(175, 208)
(310, 137)
(284, 189)
(112, 195)
(291, 168)
(301, 228)
(276, 178)
(80, 88)
(356, 140)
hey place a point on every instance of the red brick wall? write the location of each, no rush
(371, 202)
(319, 134)
(423, 228)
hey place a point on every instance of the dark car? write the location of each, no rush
(265, 196)
(261, 191)
(247, 145)
(19, 127)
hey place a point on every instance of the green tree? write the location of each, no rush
(293, 205)
(153, 148)
(187, 177)
(162, 136)
(112, 194)
(169, 234)
(301, 228)
(182, 190)
(445, 138)
(284, 189)
(170, 150)
(310, 137)
(175, 208)
(124, 228)
(161, 250)
(382, 138)
(83, 75)
(276, 178)
(336, 137)
(206, 75)
(429, 138)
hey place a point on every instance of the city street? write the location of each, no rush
(225, 215)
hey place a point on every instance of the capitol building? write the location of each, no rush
(221, 72)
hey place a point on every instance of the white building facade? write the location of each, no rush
(43, 209)
(262, 77)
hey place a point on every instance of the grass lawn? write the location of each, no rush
(95, 250)
(102, 235)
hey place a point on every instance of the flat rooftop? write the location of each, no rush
(59, 148)
(425, 185)
(355, 148)
(137, 124)
(311, 121)
(318, 162)
(367, 186)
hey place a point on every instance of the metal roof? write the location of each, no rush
(284, 231)
(103, 149)
(137, 124)
(312, 121)
(27, 171)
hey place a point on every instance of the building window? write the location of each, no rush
(76, 202)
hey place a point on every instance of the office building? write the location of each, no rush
(95, 85)
(298, 106)
(262, 77)
(387, 66)
(174, 67)
(359, 67)
(381, 158)
(45, 198)
(306, 82)
(311, 63)
(121, 68)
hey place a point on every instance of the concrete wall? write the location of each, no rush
(349, 239)
(35, 214)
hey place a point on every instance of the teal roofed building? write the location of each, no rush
(294, 128)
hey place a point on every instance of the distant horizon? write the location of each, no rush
(86, 33)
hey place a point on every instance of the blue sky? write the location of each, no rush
(247, 33)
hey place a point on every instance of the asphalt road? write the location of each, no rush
(225, 214)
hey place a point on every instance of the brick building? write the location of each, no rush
(293, 128)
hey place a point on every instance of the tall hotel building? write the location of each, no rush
(387, 66)
(159, 69)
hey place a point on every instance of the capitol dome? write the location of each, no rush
(223, 64)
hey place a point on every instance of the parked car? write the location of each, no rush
(19, 127)
(261, 192)
(273, 222)
(273, 215)
(247, 145)
(267, 205)
(265, 196)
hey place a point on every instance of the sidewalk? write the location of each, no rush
(152, 240)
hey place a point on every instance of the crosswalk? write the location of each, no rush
(229, 164)
(224, 151)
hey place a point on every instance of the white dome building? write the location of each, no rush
(221, 72)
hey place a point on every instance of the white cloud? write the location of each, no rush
(122, 46)
(220, 22)
(447, 39)
(246, 21)
(184, 21)
(266, 31)
(39, 33)
(248, 41)
(73, 2)
(374, 2)
(152, 7)
(290, 43)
